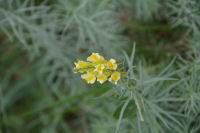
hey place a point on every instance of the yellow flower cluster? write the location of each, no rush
(97, 68)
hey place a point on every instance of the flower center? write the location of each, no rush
(114, 77)
(80, 62)
(110, 65)
(89, 78)
(94, 57)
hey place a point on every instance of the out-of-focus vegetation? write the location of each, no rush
(41, 40)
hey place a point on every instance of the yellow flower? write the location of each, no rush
(89, 77)
(115, 77)
(96, 67)
(111, 64)
(95, 57)
(99, 68)
(80, 64)
(101, 78)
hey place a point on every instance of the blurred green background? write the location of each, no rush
(41, 39)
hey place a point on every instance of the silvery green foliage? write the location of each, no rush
(60, 33)
(155, 109)
(152, 102)
(55, 35)
(184, 13)
(191, 87)
(92, 24)
(147, 100)
(190, 91)
(167, 106)
(142, 9)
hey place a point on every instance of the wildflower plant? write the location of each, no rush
(96, 67)
(139, 93)
(37, 39)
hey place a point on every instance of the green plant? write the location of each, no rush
(41, 40)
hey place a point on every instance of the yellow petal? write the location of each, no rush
(89, 77)
(95, 57)
(99, 68)
(101, 78)
(115, 77)
(111, 64)
(80, 64)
